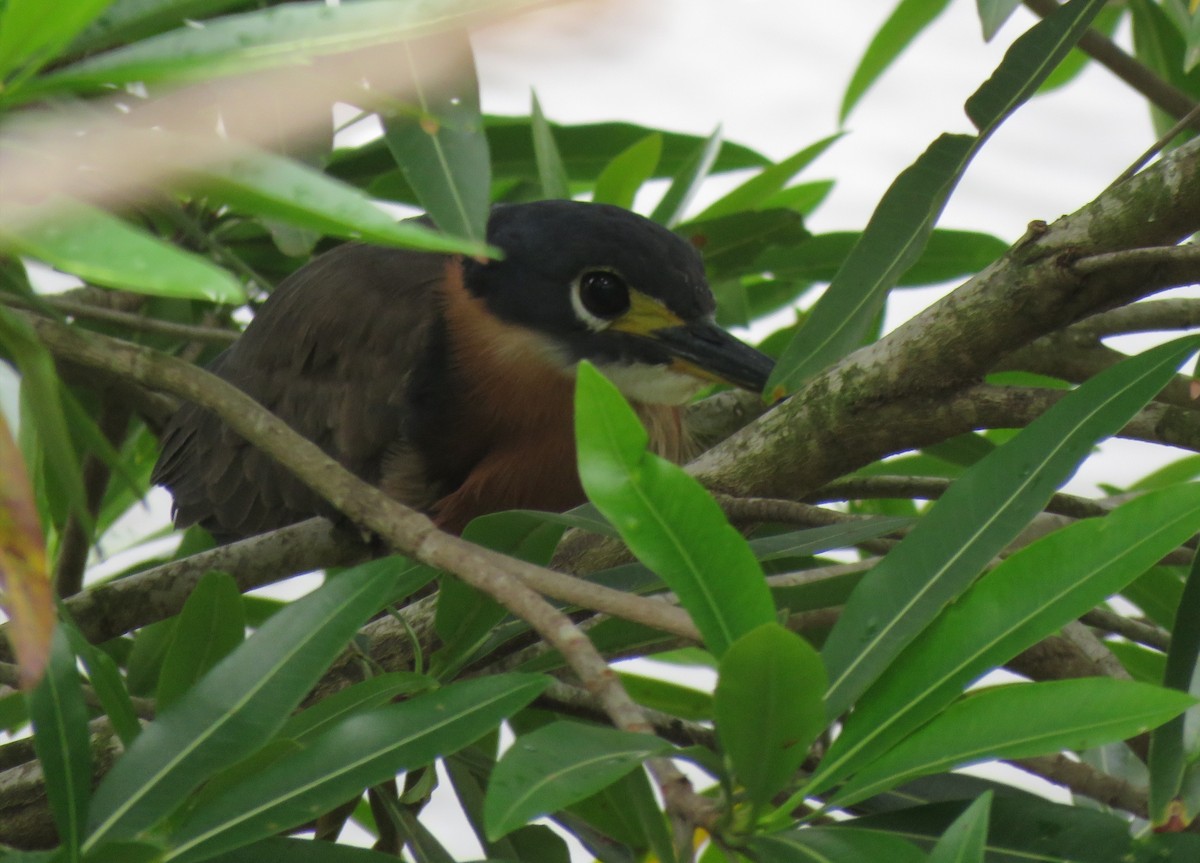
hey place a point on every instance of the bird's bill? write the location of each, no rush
(707, 352)
(700, 348)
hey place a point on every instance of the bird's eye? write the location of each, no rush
(603, 294)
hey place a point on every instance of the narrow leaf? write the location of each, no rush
(621, 178)
(210, 626)
(1174, 746)
(44, 420)
(667, 518)
(276, 187)
(1028, 596)
(280, 850)
(238, 705)
(901, 224)
(551, 172)
(557, 765)
(993, 14)
(26, 594)
(77, 238)
(438, 141)
(360, 751)
(1019, 721)
(752, 193)
(364, 695)
(906, 22)
(980, 514)
(890, 244)
(687, 181)
(769, 708)
(1028, 62)
(32, 32)
(60, 738)
(107, 682)
(966, 839)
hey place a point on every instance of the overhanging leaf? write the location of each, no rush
(686, 182)
(276, 187)
(667, 518)
(966, 839)
(979, 515)
(87, 242)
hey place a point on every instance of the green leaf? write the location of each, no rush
(966, 839)
(769, 708)
(77, 238)
(438, 141)
(276, 187)
(891, 243)
(815, 540)
(551, 172)
(948, 255)
(292, 34)
(238, 705)
(1028, 62)
(667, 697)
(364, 695)
(1174, 746)
(211, 625)
(466, 617)
(360, 751)
(666, 517)
(751, 194)
(980, 514)
(993, 14)
(621, 178)
(1020, 720)
(904, 218)
(33, 32)
(557, 765)
(732, 244)
(1062, 832)
(107, 682)
(905, 23)
(833, 845)
(279, 850)
(127, 21)
(60, 738)
(687, 181)
(42, 402)
(1028, 596)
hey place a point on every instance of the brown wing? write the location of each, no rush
(343, 351)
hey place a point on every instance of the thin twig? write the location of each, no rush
(1133, 630)
(1086, 780)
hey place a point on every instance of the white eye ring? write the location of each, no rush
(598, 297)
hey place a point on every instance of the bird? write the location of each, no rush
(447, 380)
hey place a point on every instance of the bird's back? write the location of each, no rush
(342, 352)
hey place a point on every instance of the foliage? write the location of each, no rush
(851, 643)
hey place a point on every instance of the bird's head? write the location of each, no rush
(600, 283)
